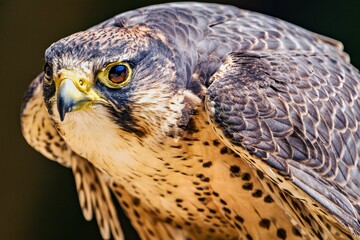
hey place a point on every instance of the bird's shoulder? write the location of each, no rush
(297, 113)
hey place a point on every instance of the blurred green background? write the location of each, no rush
(37, 197)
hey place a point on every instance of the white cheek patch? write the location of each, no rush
(91, 132)
(92, 135)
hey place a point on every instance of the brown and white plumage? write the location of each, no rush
(92, 186)
(232, 124)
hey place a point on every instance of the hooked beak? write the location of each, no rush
(73, 93)
(69, 98)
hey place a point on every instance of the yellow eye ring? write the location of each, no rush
(116, 74)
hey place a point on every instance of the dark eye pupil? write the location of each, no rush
(118, 74)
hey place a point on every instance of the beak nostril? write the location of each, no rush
(71, 96)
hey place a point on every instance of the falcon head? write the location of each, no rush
(133, 76)
(129, 82)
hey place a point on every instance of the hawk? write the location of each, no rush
(204, 121)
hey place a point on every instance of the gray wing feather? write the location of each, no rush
(297, 107)
(93, 191)
(299, 113)
(205, 33)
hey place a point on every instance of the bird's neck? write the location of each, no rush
(126, 157)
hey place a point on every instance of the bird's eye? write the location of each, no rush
(115, 74)
(48, 72)
(118, 74)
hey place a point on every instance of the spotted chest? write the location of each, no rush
(198, 188)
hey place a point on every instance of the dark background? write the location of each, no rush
(37, 197)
